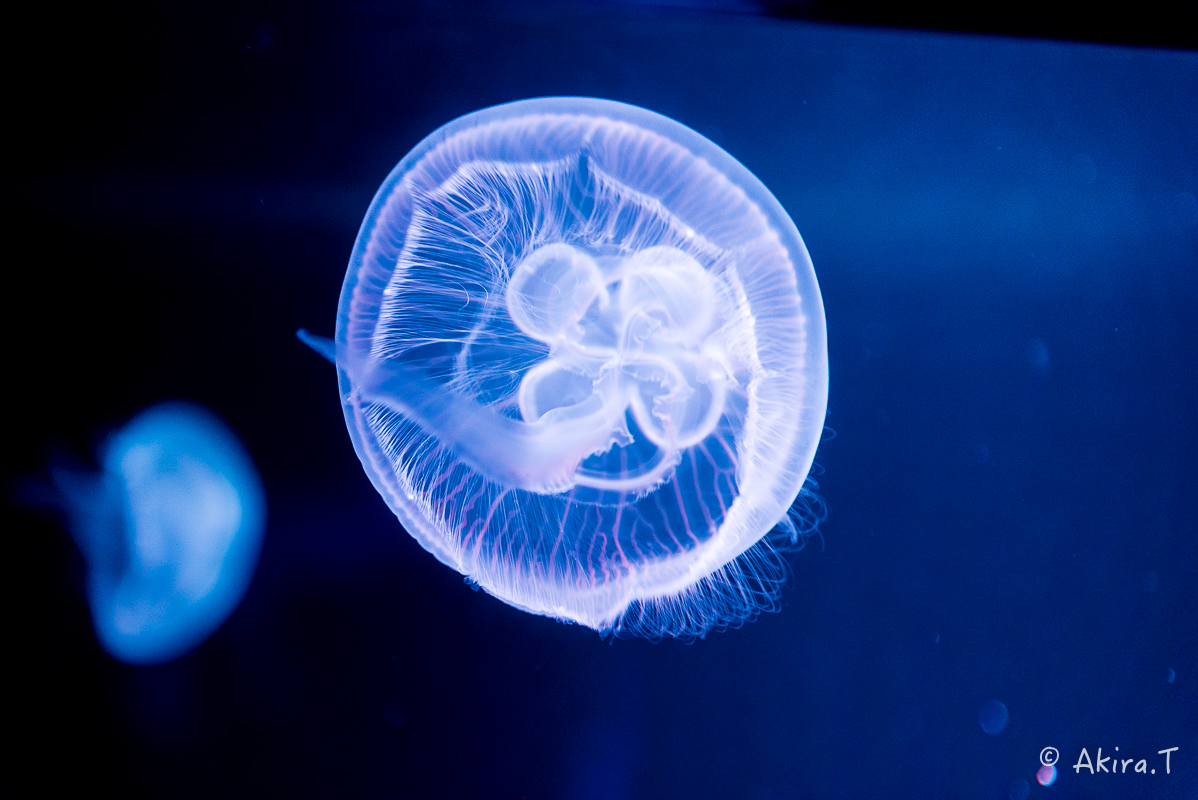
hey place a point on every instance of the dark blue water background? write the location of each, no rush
(1006, 235)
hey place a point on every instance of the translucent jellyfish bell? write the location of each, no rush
(582, 355)
(170, 530)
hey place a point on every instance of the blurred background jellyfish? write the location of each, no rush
(170, 530)
(582, 355)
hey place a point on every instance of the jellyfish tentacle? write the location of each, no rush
(540, 456)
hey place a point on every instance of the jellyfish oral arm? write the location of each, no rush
(541, 456)
(637, 340)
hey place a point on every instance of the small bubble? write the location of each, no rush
(993, 717)
(1170, 676)
(1037, 356)
(266, 38)
(1149, 581)
(1046, 775)
(1019, 789)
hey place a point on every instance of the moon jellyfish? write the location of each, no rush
(170, 530)
(582, 355)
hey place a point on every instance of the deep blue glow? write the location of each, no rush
(583, 357)
(170, 529)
